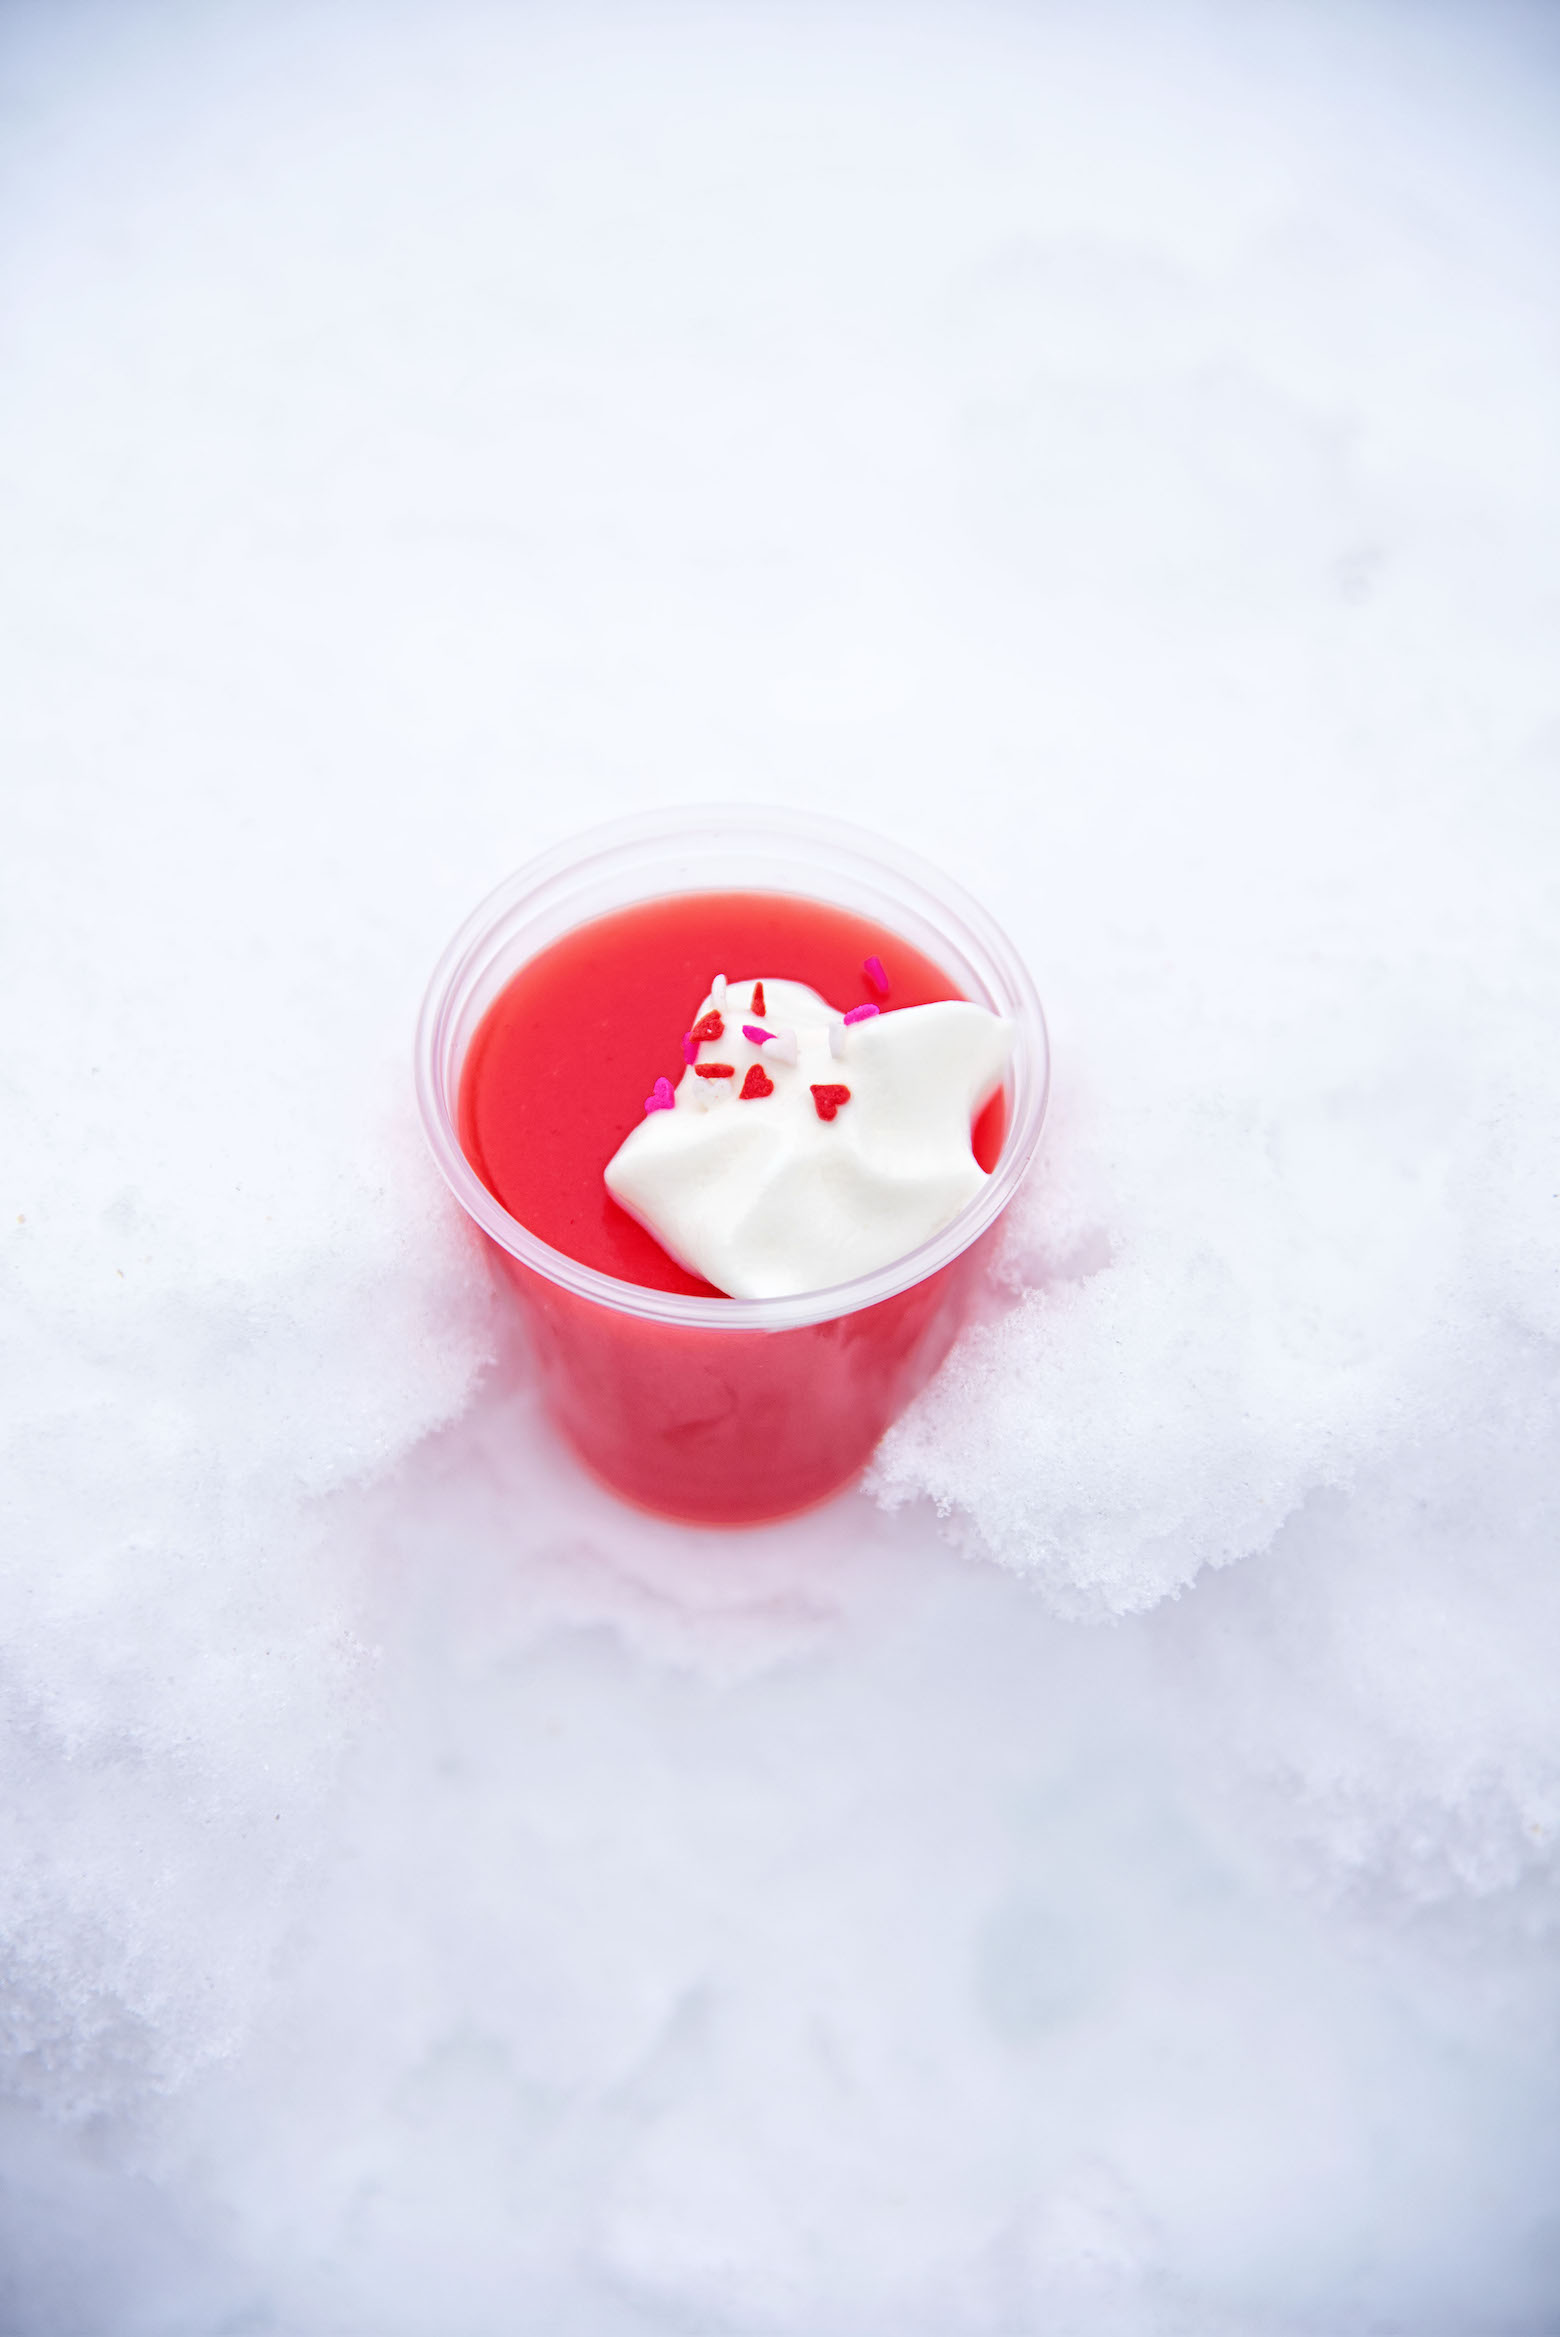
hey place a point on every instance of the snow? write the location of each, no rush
(1101, 1878)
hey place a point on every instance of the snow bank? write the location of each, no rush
(1113, 449)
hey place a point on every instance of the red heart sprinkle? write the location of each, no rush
(827, 1099)
(710, 1028)
(757, 1082)
(758, 1006)
(716, 1070)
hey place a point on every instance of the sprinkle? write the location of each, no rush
(716, 1070)
(718, 989)
(829, 1099)
(873, 969)
(750, 1030)
(783, 1046)
(862, 1013)
(756, 1005)
(757, 1082)
(837, 1041)
(660, 1098)
(710, 1027)
(690, 1046)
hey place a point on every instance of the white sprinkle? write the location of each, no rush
(837, 1040)
(783, 1047)
(718, 990)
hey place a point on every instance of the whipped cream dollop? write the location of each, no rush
(803, 1146)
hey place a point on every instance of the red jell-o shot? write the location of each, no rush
(558, 1015)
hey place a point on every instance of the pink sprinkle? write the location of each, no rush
(873, 969)
(750, 1030)
(861, 1014)
(660, 1098)
(690, 1046)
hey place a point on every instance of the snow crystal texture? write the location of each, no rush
(1103, 1878)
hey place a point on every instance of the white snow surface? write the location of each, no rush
(1105, 1885)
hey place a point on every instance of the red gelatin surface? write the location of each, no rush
(558, 1071)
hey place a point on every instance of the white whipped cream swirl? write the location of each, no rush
(776, 1193)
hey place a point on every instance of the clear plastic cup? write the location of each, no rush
(727, 1411)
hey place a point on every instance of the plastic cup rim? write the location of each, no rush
(445, 997)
